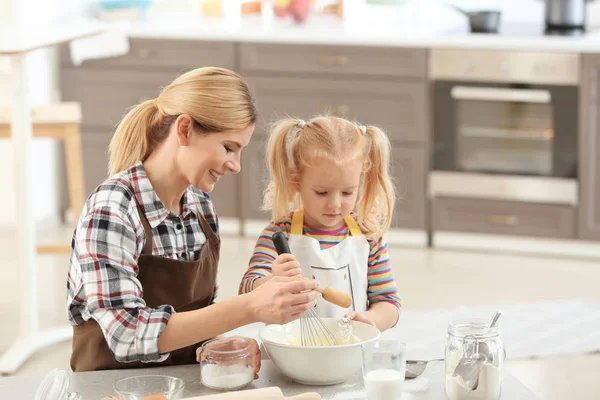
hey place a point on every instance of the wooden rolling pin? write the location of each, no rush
(271, 393)
(329, 294)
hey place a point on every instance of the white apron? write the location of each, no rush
(343, 266)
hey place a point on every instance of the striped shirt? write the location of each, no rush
(102, 282)
(381, 283)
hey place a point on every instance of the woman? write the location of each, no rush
(142, 279)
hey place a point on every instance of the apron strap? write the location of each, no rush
(352, 226)
(148, 245)
(206, 228)
(298, 223)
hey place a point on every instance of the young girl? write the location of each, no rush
(330, 193)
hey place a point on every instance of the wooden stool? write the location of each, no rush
(58, 121)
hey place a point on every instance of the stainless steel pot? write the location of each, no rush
(565, 13)
(486, 21)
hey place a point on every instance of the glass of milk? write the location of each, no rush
(384, 367)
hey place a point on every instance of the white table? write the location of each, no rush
(95, 385)
(17, 43)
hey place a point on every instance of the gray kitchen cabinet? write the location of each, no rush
(106, 95)
(589, 150)
(400, 108)
(331, 60)
(409, 172)
(254, 178)
(503, 217)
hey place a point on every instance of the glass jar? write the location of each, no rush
(226, 363)
(55, 386)
(473, 340)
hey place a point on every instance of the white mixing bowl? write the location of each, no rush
(323, 365)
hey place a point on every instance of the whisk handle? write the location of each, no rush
(281, 243)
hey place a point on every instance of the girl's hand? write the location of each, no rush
(254, 350)
(286, 265)
(360, 317)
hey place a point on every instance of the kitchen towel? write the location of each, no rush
(113, 42)
(527, 330)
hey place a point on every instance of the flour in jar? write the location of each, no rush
(226, 376)
(489, 387)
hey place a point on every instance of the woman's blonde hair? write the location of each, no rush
(217, 99)
(294, 144)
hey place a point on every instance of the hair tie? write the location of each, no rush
(155, 102)
(301, 123)
(363, 129)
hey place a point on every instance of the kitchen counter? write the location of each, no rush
(389, 32)
(95, 385)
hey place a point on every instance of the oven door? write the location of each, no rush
(528, 130)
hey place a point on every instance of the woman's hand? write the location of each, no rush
(286, 265)
(254, 350)
(282, 299)
(360, 317)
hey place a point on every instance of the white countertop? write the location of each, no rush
(401, 27)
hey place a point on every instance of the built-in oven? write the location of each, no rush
(505, 125)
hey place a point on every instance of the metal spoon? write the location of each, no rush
(469, 368)
(415, 368)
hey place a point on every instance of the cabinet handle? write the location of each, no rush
(503, 219)
(144, 53)
(333, 60)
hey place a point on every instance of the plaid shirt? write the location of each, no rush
(102, 282)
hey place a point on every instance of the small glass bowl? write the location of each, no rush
(149, 387)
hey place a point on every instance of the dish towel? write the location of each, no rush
(113, 42)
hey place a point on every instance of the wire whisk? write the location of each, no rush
(314, 332)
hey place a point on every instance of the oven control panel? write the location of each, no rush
(505, 66)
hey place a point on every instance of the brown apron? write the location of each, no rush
(185, 285)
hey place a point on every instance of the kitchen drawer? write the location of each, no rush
(409, 172)
(333, 60)
(106, 95)
(160, 53)
(400, 108)
(503, 217)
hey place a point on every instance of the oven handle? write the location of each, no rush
(500, 94)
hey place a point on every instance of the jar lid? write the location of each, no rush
(478, 328)
(230, 348)
(54, 386)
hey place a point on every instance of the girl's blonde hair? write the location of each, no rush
(217, 99)
(294, 144)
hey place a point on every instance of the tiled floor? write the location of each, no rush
(427, 279)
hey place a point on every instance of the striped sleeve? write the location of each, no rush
(263, 256)
(382, 285)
